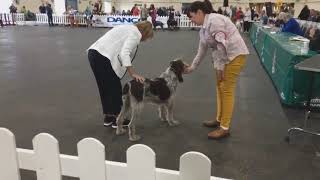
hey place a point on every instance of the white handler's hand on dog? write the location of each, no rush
(135, 76)
(138, 78)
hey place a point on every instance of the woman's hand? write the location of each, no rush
(135, 76)
(138, 78)
(220, 75)
(188, 70)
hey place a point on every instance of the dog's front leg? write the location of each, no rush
(162, 112)
(132, 129)
(170, 119)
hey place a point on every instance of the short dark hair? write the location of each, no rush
(204, 6)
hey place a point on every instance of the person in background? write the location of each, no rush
(172, 23)
(314, 36)
(1, 22)
(153, 14)
(313, 15)
(98, 6)
(264, 18)
(252, 13)
(136, 11)
(239, 19)
(113, 11)
(13, 11)
(255, 17)
(290, 24)
(233, 13)
(144, 13)
(23, 10)
(110, 58)
(129, 12)
(291, 10)
(246, 20)
(178, 13)
(49, 14)
(89, 14)
(42, 8)
(278, 22)
(71, 13)
(220, 11)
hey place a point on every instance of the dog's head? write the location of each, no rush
(178, 67)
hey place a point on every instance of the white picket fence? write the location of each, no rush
(90, 163)
(61, 20)
(183, 21)
(12, 18)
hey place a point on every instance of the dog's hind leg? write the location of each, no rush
(125, 108)
(162, 113)
(135, 111)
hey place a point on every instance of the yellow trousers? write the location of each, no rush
(226, 89)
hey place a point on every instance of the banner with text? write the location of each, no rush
(111, 21)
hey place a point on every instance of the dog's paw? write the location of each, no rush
(134, 138)
(173, 123)
(162, 119)
(120, 131)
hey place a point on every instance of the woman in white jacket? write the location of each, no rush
(110, 58)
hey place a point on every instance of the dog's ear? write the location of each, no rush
(178, 67)
(179, 73)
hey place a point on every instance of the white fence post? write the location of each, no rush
(41, 18)
(194, 165)
(18, 18)
(9, 168)
(66, 20)
(47, 157)
(91, 154)
(141, 162)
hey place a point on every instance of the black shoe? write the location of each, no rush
(108, 120)
(126, 123)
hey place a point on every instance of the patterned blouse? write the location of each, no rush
(221, 35)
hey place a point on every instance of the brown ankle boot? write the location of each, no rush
(218, 133)
(211, 123)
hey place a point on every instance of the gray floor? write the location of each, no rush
(47, 86)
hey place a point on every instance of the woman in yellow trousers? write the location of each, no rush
(229, 56)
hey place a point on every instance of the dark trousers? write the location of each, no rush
(108, 82)
(246, 26)
(50, 20)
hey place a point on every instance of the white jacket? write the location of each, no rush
(119, 45)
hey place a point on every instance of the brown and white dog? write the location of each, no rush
(159, 91)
